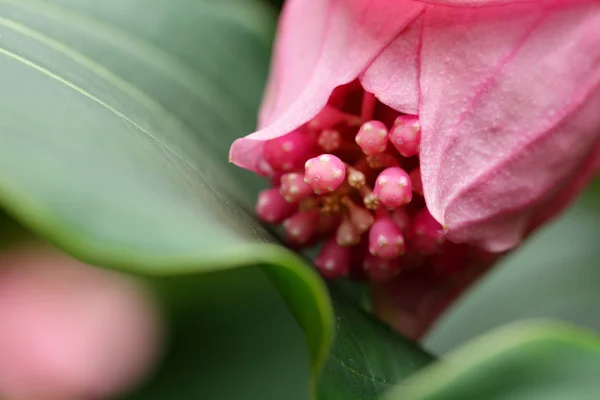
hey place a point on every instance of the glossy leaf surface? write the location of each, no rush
(538, 360)
(116, 118)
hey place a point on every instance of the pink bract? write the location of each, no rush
(505, 91)
(504, 95)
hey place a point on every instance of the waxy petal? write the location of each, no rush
(394, 75)
(320, 45)
(555, 204)
(479, 3)
(509, 109)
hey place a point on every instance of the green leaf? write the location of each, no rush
(538, 360)
(116, 117)
(553, 275)
(367, 358)
(231, 337)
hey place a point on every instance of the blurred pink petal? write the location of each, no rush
(70, 331)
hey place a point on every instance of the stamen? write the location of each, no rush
(301, 226)
(330, 140)
(380, 270)
(385, 239)
(308, 204)
(359, 217)
(346, 234)
(406, 135)
(356, 179)
(288, 152)
(425, 234)
(293, 188)
(330, 205)
(271, 206)
(393, 188)
(370, 200)
(372, 137)
(333, 261)
(324, 173)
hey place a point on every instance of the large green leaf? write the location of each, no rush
(523, 362)
(116, 117)
(231, 338)
(367, 358)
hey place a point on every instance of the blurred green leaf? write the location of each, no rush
(11, 233)
(538, 360)
(117, 116)
(231, 337)
(554, 275)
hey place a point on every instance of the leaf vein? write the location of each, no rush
(360, 374)
(185, 76)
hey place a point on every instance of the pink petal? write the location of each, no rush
(553, 206)
(479, 3)
(394, 76)
(320, 45)
(510, 99)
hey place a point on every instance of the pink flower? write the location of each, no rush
(70, 331)
(499, 99)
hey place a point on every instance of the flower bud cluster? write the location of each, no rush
(353, 185)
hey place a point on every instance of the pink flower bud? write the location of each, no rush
(293, 188)
(301, 226)
(347, 234)
(425, 233)
(385, 239)
(287, 152)
(381, 270)
(333, 261)
(406, 135)
(324, 173)
(393, 188)
(330, 140)
(271, 207)
(372, 137)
